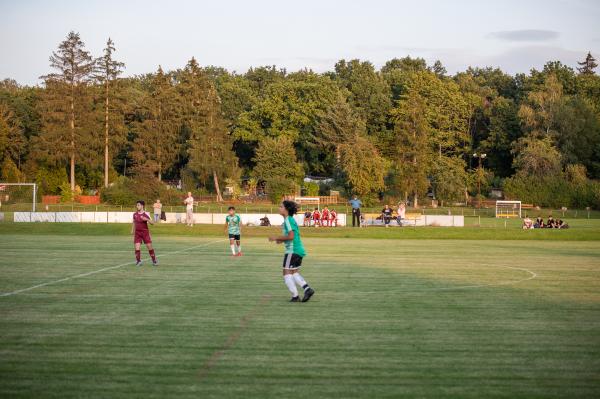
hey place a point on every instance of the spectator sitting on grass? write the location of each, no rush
(560, 224)
(527, 223)
(550, 222)
(539, 223)
(265, 221)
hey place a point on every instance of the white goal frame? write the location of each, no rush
(508, 209)
(308, 201)
(33, 198)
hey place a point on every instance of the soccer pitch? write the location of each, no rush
(390, 318)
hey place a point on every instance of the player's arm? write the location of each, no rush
(132, 227)
(281, 239)
(147, 218)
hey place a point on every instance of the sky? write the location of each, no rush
(515, 35)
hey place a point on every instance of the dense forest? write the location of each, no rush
(404, 131)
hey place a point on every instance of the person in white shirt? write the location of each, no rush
(189, 209)
(157, 210)
(401, 212)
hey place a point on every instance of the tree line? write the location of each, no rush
(405, 130)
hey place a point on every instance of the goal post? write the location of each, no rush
(18, 193)
(508, 209)
(308, 201)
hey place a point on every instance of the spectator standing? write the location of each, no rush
(355, 203)
(157, 210)
(401, 213)
(189, 209)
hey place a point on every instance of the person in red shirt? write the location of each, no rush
(317, 217)
(333, 218)
(141, 233)
(325, 217)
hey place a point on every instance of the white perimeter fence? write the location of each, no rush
(215, 218)
(172, 217)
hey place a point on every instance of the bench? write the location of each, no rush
(374, 219)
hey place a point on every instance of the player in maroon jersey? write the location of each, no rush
(325, 217)
(316, 216)
(141, 233)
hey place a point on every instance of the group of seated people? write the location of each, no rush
(539, 223)
(325, 217)
(387, 214)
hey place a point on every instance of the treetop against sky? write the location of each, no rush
(511, 34)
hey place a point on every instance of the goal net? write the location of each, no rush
(508, 209)
(308, 202)
(18, 197)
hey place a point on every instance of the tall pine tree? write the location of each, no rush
(588, 66)
(107, 72)
(67, 104)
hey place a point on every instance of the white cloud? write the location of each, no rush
(525, 35)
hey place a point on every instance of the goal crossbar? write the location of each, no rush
(308, 201)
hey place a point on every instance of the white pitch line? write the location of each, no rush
(531, 276)
(100, 270)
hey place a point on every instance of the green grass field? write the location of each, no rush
(437, 313)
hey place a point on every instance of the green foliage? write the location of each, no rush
(536, 157)
(66, 193)
(408, 123)
(234, 184)
(414, 152)
(126, 191)
(276, 157)
(363, 167)
(369, 94)
(50, 180)
(449, 178)
(278, 187)
(276, 164)
(552, 190)
(310, 189)
(10, 173)
(119, 192)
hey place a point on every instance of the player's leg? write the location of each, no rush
(288, 278)
(232, 244)
(151, 252)
(296, 263)
(137, 247)
(238, 243)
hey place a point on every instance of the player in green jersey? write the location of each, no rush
(294, 252)
(233, 225)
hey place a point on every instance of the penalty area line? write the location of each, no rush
(87, 274)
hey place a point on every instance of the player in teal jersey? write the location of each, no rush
(294, 252)
(233, 225)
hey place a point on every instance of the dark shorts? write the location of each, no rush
(142, 237)
(234, 237)
(292, 261)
